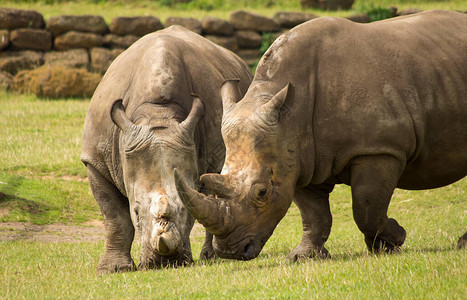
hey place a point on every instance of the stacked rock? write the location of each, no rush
(22, 40)
(88, 43)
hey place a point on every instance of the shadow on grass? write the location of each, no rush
(18, 204)
(352, 256)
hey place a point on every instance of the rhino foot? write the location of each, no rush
(305, 252)
(378, 245)
(462, 243)
(389, 240)
(207, 253)
(113, 264)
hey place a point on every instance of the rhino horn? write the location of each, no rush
(162, 247)
(119, 117)
(196, 113)
(218, 184)
(206, 209)
(229, 93)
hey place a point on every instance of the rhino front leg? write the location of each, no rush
(119, 230)
(313, 202)
(373, 180)
(207, 252)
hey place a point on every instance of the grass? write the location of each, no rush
(40, 172)
(44, 182)
(214, 8)
(39, 271)
(428, 267)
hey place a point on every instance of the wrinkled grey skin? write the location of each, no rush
(170, 117)
(374, 106)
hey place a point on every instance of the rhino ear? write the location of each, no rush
(118, 116)
(229, 93)
(195, 115)
(272, 108)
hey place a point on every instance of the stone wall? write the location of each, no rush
(27, 41)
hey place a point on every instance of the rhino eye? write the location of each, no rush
(260, 194)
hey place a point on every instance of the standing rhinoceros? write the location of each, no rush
(374, 106)
(169, 116)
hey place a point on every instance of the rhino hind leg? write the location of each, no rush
(207, 252)
(373, 180)
(119, 230)
(462, 243)
(313, 202)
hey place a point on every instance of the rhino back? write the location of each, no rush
(395, 87)
(161, 68)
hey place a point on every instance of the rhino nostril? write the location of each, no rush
(164, 224)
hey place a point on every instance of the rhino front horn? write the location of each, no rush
(206, 209)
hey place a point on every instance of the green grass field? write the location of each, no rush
(42, 181)
(40, 172)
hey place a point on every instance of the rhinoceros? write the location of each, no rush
(157, 107)
(374, 106)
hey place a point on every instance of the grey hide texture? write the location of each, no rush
(375, 106)
(169, 117)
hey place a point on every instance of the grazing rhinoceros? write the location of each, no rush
(168, 81)
(374, 106)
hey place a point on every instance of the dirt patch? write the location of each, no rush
(59, 233)
(4, 211)
(52, 233)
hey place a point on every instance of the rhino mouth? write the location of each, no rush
(166, 239)
(252, 250)
(248, 249)
(156, 261)
(165, 247)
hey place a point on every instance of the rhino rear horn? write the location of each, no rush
(119, 117)
(195, 115)
(218, 184)
(229, 93)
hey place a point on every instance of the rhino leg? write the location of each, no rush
(119, 230)
(462, 243)
(313, 202)
(373, 180)
(207, 252)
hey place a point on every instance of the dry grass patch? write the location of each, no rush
(57, 82)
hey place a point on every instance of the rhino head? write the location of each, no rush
(255, 188)
(149, 152)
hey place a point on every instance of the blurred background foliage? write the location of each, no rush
(362, 5)
(376, 9)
